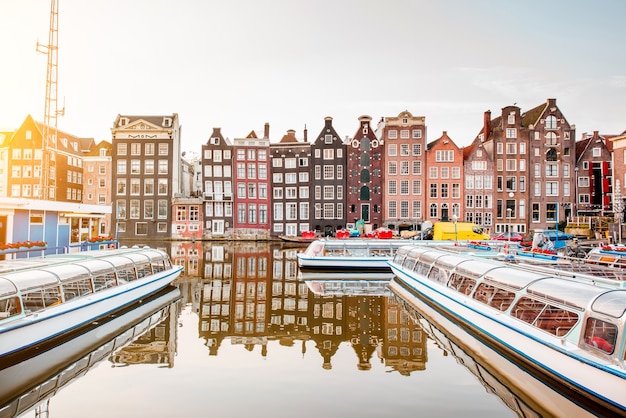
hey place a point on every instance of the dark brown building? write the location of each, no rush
(146, 175)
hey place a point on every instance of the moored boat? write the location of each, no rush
(566, 332)
(341, 254)
(46, 301)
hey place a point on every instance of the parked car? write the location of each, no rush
(554, 235)
(509, 236)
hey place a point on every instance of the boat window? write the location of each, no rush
(104, 281)
(125, 275)
(493, 296)
(71, 271)
(556, 320)
(408, 263)
(10, 307)
(461, 284)
(143, 270)
(474, 268)
(600, 334)
(158, 266)
(438, 274)
(422, 268)
(611, 303)
(37, 299)
(502, 299)
(527, 309)
(76, 288)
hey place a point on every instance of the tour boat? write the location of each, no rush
(346, 282)
(345, 254)
(45, 301)
(566, 330)
(30, 382)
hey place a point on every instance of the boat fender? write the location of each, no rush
(601, 343)
(506, 248)
(112, 246)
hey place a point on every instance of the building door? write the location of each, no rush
(365, 212)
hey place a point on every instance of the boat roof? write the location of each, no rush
(582, 293)
(24, 274)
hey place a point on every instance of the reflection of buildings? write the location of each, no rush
(365, 321)
(404, 346)
(288, 317)
(215, 296)
(250, 303)
(187, 254)
(155, 346)
(327, 325)
(251, 293)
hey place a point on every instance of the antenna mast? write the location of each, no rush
(49, 136)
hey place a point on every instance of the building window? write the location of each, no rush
(141, 228)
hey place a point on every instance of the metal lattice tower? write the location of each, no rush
(51, 110)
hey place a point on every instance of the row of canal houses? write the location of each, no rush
(523, 171)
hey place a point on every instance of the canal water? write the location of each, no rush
(245, 334)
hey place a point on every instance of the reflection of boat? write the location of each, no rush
(346, 283)
(523, 394)
(348, 287)
(30, 382)
(567, 333)
(361, 254)
(49, 300)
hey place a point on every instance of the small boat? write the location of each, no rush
(46, 301)
(346, 254)
(567, 332)
(297, 240)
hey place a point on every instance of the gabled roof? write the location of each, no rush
(289, 138)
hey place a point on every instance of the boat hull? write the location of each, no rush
(379, 264)
(589, 386)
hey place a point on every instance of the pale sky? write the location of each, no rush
(237, 64)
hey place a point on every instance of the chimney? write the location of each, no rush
(328, 122)
(487, 125)
(306, 134)
(266, 132)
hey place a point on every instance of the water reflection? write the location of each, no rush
(37, 379)
(253, 295)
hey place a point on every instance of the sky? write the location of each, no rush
(239, 64)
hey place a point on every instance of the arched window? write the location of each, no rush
(433, 210)
(365, 160)
(365, 193)
(365, 144)
(551, 155)
(551, 122)
(551, 138)
(365, 176)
